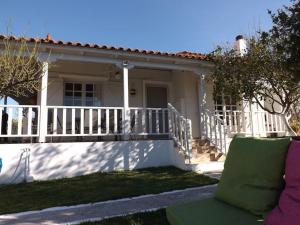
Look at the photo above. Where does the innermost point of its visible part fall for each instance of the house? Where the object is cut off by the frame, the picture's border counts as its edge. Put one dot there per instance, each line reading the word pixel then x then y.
pixel 103 108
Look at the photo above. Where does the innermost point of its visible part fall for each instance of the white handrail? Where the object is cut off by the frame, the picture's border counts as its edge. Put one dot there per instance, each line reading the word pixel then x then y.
pixel 180 131
pixel 215 130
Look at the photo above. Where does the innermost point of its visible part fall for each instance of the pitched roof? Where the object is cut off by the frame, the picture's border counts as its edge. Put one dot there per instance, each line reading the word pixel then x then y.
pixel 49 40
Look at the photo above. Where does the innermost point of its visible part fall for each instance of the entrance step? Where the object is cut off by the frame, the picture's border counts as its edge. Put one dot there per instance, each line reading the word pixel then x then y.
pixel 203 152
pixel 208 167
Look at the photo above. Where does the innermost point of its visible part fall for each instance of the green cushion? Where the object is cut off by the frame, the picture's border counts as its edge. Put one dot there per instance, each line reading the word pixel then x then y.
pixel 209 212
pixel 253 173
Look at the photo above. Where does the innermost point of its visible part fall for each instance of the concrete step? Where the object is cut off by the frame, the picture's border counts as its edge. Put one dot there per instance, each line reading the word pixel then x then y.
pixel 209 167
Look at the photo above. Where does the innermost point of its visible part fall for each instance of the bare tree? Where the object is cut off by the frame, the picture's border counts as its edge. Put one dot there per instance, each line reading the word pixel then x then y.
pixel 20 69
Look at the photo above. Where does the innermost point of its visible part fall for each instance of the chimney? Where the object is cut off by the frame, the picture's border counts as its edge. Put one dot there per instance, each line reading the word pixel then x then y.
pixel 48 37
pixel 240 45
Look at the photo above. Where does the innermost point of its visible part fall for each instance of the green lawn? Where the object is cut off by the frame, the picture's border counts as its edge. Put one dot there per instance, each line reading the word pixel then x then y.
pixel 148 218
pixel 96 187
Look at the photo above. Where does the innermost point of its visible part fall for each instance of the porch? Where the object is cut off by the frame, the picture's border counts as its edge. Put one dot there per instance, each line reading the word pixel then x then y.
pixel 86 101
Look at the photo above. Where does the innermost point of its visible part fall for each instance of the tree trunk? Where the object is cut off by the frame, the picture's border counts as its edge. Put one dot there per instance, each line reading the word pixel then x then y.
pixel 290 129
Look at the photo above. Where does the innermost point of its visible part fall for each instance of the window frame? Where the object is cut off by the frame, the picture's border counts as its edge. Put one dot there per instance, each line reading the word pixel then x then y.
pixel 83 91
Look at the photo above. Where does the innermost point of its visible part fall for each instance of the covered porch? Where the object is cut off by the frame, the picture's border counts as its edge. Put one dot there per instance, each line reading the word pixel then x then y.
pixel 89 98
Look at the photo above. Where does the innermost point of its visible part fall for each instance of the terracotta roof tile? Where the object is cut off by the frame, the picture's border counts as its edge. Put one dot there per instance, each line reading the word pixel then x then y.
pixel 50 40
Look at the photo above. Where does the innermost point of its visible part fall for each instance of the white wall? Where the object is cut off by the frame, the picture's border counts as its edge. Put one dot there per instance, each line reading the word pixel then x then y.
pixel 58 160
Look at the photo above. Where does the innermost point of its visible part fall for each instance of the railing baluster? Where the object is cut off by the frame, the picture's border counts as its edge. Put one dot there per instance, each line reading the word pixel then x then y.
pixel 180 130
pixel 64 121
pixel 280 123
pixel 206 124
pixel 272 122
pixel 136 121
pixel 73 121
pixel 55 121
pixel 115 121
pixel 144 120
pixel 9 122
pixel 210 126
pixel 29 121
pixel 215 129
pixel 81 121
pixel 267 123
pixel 235 122
pixel 174 124
pixel 99 121
pixel 276 123
pixel 170 122
pixel 20 116
pixel 107 121
pixel 163 121
pixel 150 121
pixel 220 135
pixel 90 121
pixel 157 121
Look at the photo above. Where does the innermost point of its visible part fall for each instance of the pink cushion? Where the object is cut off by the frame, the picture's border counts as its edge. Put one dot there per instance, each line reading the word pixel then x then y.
pixel 288 210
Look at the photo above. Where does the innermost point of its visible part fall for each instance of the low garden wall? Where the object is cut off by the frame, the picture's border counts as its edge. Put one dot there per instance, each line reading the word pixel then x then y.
pixel 45 161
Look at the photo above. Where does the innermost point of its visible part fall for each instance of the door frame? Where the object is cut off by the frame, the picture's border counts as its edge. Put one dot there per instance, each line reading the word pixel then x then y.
pixel 151 83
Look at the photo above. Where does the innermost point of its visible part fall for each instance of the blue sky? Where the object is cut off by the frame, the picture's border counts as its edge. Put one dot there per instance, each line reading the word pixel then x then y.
pixel 165 25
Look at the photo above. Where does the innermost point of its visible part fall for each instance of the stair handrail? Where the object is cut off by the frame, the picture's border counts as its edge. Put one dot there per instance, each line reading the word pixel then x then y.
pixel 215 130
pixel 180 131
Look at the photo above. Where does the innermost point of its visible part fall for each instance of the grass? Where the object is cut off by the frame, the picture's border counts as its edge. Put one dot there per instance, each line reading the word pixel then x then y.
pixel 147 218
pixel 96 187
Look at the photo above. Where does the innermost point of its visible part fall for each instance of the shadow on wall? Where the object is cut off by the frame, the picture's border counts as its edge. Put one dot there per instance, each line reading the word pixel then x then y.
pixel 15 166
pixel 58 160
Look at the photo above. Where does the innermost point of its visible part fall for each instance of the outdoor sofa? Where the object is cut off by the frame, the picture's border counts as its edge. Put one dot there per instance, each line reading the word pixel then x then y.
pixel 253 189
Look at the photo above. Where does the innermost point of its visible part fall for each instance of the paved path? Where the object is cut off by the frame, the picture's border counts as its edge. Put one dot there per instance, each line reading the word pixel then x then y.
pixel 98 211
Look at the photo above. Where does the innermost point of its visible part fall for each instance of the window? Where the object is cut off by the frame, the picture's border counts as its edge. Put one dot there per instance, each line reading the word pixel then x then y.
pixel 78 94
pixel 225 102
pixel 224 105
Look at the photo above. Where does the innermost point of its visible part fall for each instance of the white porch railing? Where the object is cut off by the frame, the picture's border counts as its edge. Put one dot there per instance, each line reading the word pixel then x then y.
pixel 19 120
pixel 84 121
pixel 180 131
pixel 221 126
pixel 68 121
pixel 149 121
pixel 215 130
pixel 254 123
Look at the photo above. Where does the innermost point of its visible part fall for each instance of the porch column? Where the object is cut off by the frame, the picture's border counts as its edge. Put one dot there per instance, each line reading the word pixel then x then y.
pixel 43 104
pixel 126 113
pixel 202 102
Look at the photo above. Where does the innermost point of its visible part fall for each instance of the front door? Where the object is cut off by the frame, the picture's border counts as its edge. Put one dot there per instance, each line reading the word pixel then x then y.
pixel 157 97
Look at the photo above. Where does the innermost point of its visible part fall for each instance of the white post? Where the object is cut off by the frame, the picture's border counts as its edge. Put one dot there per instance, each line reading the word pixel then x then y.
pixel 43 104
pixel 126 116
pixel 202 102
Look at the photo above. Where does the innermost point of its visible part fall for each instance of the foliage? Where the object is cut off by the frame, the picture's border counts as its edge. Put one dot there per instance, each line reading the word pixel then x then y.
pixel 295 124
pixel 20 69
pixel 286 33
pixel 261 74
pixel 97 187
pixel 267 72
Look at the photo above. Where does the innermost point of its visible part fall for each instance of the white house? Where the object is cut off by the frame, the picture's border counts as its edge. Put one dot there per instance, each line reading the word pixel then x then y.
pixel 103 108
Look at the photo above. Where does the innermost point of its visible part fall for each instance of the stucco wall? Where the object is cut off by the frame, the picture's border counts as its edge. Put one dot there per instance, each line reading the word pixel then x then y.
pixel 58 160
